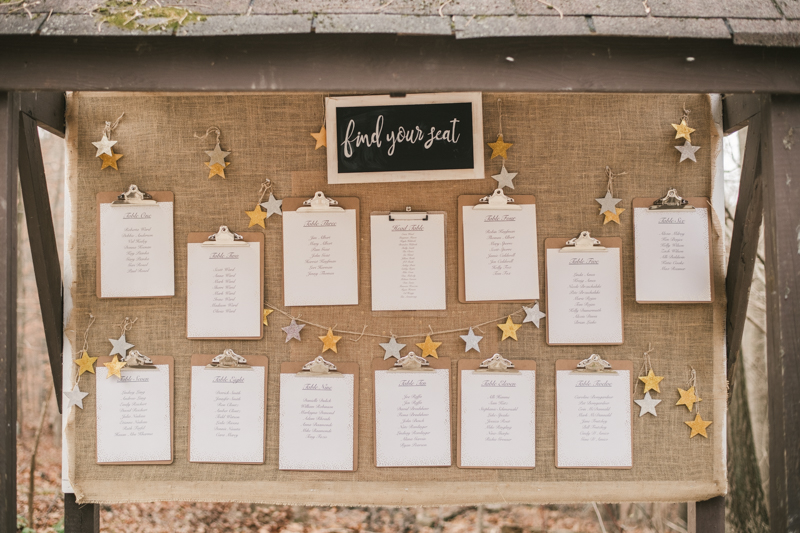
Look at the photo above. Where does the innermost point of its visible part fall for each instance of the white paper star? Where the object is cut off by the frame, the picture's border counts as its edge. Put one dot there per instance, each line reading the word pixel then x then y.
pixel 272 206
pixel 392 349
pixel 293 330
pixel 217 156
pixel 647 404
pixel 608 203
pixel 121 346
pixel 75 397
pixel 687 151
pixel 104 146
pixel 532 314
pixel 472 341
pixel 505 177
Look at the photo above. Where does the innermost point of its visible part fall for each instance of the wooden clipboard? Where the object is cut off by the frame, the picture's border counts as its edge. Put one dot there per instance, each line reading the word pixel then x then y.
pixel 470 365
pixel 442 363
pixel 609 242
pixel 203 360
pixel 343 368
pixel 196 237
pixel 347 202
pixel 471 200
pixel 107 198
pixel 572 364
pixel 157 360
pixel 694 201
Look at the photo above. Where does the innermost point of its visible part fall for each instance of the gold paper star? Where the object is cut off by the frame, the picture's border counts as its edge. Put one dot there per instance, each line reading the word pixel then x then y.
pixel 110 160
pixel 698 426
pixel 329 341
pixel 257 216
pixel 614 216
pixel 688 398
pixel 320 138
pixel 114 367
pixel 651 381
pixel 509 329
pixel 500 147
pixel 216 169
pixel 429 347
pixel 683 130
pixel 85 363
pixel 267 312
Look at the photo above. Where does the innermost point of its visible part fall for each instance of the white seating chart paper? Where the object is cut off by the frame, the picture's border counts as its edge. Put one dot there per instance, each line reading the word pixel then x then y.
pixel 408 263
pixel 136 255
pixel 672 250
pixel 593 417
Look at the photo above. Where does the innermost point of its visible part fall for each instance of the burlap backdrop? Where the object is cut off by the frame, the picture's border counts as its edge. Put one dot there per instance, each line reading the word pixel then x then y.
pixel 562 144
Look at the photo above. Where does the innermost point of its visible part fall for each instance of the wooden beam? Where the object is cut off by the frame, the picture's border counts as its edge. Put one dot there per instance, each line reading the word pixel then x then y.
pixel 780 151
pixel 744 242
pixel 49 108
pixel 707 516
pixel 737 110
pixel 9 115
pixel 42 236
pixel 394 63
pixel 80 518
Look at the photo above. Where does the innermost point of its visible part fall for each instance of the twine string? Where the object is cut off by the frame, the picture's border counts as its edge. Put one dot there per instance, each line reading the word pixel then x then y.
pixel 685 113
pixel 109 127
pixel 86 333
pixel 127 324
pixel 611 175
pixel 209 131
pixel 647 365
pixel 266 187
pixel 500 114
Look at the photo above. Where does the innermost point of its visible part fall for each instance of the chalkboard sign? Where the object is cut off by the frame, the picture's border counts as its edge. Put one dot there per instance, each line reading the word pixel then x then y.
pixel 418 137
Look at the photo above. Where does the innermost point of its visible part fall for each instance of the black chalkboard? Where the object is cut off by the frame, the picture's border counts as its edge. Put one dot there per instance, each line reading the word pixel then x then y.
pixel 412 137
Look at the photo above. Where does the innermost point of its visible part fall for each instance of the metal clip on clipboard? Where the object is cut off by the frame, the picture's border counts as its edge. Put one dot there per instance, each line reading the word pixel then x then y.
pixel 408 214
pixel 583 243
pixel 497 201
pixel 134 196
pixel 671 202
pixel 594 364
pixel 321 368
pixel 136 360
pixel 412 363
pixel 229 360
pixel 320 204
pixel 225 237
pixel 497 364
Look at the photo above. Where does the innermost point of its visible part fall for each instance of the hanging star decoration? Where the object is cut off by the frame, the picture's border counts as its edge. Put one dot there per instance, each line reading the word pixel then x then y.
pixel 114 367
pixel 647 404
pixel 429 347
pixel 120 346
pixel 688 398
pixel 105 145
pixel 509 329
pixel 392 349
pixel 698 426
pixel 687 151
pixel 320 137
pixel 75 397
pixel 608 204
pixel 505 178
pixel 267 312
pixel 257 217
pixel 85 363
pixel 263 210
pixel 682 130
pixel 472 341
pixel 500 147
pixel 651 381
pixel 273 206
pixel 613 217
pixel 329 341
pixel 216 163
pixel 293 330
pixel 533 314
pixel 110 161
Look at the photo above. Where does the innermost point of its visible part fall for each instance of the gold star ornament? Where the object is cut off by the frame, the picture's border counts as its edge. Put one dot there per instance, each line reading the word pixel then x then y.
pixel 682 130
pixel 267 312
pixel 257 217
pixel 688 398
pixel 698 426
pixel 216 169
pixel 429 347
pixel 85 363
pixel 329 341
pixel 509 329
pixel 320 138
pixel 114 367
pixel 651 381
pixel 500 147
pixel 613 216
pixel 110 160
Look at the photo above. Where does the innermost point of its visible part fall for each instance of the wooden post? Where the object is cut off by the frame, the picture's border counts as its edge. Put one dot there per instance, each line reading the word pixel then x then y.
pixel 707 516
pixel 80 518
pixel 780 150
pixel 9 113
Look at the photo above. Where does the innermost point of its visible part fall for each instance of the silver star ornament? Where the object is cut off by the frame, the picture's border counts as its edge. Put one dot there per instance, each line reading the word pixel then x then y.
pixel 75 397
pixel 293 330
pixel 272 206
pixel 217 156
pixel 504 179
pixel 608 203
pixel 120 346
pixel 647 404
pixel 104 146
pixel 687 151
pixel 472 341
pixel 392 349
pixel 532 314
